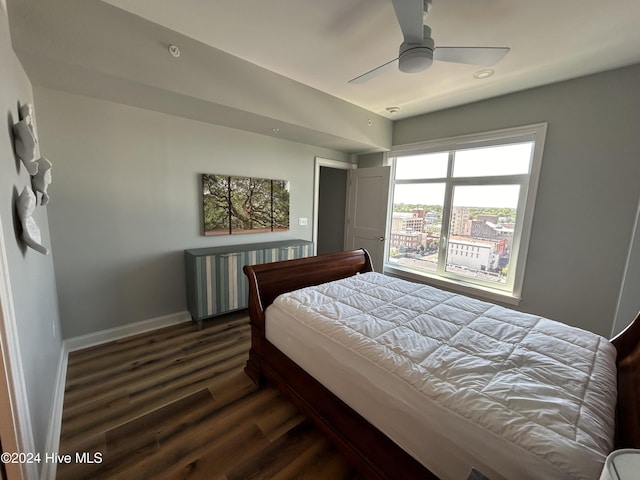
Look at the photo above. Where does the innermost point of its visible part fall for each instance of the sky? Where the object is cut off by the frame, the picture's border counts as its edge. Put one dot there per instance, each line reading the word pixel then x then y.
pixel 479 162
pixel 498 196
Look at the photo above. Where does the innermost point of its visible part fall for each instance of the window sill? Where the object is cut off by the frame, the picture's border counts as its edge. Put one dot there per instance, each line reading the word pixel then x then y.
pixel 484 293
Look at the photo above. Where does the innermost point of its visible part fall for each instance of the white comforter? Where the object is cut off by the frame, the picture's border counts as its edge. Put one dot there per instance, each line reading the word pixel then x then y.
pixel 520 395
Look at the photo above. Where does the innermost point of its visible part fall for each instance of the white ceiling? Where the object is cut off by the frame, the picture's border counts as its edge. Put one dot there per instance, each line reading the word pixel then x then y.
pixel 325 43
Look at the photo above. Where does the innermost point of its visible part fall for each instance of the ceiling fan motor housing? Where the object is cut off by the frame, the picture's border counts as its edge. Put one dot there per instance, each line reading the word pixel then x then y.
pixel 416 57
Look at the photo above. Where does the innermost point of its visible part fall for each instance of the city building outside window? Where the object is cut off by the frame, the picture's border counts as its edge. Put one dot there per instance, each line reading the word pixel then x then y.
pixel 463 209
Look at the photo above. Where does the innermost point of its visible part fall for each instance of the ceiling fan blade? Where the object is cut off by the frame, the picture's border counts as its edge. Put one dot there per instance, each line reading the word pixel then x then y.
pixel 375 72
pixel 485 56
pixel 410 17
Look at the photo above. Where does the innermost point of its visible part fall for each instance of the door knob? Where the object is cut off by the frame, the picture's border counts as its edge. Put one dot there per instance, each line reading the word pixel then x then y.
pixel 381 239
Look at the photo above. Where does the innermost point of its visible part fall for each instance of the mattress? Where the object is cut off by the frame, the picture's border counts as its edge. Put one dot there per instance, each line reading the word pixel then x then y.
pixel 456 382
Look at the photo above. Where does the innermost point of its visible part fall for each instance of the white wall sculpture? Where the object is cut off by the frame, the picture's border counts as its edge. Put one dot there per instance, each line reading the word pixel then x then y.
pixel 25 139
pixel 25 142
pixel 25 206
pixel 42 179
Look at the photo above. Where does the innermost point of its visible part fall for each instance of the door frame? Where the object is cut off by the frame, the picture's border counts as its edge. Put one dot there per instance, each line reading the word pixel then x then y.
pixel 15 421
pixel 324 162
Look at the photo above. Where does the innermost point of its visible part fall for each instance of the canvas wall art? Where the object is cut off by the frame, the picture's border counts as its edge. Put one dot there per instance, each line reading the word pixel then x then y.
pixel 233 204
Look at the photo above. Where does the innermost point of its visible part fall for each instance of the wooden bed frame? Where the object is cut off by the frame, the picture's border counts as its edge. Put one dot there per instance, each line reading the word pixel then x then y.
pixel 370 451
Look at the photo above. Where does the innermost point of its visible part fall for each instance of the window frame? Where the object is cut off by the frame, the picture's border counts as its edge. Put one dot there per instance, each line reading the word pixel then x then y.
pixel 511 291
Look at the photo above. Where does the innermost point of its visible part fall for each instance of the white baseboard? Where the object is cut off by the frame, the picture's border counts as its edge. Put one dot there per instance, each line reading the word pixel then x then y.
pixel 91 339
pixel 52 444
pixel 77 343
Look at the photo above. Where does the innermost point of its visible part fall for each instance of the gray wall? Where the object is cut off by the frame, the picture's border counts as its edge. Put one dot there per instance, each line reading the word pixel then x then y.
pixel 588 192
pixel 31 274
pixel 127 202
pixel 204 84
pixel 629 304
pixel 369 160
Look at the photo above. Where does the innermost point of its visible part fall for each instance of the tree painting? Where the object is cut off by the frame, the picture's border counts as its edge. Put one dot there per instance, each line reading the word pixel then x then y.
pixel 280 204
pixel 215 190
pixel 244 204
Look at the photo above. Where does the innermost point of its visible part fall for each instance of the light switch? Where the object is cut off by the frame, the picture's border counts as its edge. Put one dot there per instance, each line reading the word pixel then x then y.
pixel 302 221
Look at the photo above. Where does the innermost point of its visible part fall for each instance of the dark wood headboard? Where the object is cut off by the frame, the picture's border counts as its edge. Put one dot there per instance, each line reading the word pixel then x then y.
pixel 268 280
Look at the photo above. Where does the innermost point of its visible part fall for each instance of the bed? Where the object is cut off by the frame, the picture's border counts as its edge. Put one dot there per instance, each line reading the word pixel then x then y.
pixel 392 430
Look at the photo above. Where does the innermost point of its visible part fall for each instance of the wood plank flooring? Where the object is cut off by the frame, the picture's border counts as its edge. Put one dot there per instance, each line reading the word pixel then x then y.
pixel 175 403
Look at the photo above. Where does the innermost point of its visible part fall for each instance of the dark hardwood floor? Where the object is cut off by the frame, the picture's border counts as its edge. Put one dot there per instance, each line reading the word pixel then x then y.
pixel 175 403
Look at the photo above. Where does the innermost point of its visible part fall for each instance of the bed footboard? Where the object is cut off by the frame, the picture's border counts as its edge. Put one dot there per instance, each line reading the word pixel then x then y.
pixel 627 344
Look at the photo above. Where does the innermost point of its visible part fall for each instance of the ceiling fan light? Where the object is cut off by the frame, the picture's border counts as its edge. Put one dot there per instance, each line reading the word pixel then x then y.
pixel 415 59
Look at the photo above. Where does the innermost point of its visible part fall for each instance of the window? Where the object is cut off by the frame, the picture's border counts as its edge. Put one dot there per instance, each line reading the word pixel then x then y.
pixel 473 194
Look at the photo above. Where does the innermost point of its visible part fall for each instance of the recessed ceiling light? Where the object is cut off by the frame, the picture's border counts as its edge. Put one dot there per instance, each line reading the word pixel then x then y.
pixel 174 51
pixel 392 110
pixel 480 74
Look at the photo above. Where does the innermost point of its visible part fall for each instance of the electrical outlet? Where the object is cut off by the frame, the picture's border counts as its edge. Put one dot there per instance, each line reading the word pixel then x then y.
pixel 302 221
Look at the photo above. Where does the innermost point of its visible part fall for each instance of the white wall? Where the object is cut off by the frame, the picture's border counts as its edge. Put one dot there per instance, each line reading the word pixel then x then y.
pixel 31 274
pixel 126 202
pixel 588 192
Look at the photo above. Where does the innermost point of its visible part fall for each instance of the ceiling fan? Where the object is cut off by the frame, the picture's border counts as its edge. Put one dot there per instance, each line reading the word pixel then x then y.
pixel 418 50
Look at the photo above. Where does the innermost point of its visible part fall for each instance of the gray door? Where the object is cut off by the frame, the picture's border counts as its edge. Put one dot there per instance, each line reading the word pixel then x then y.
pixel 367 211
